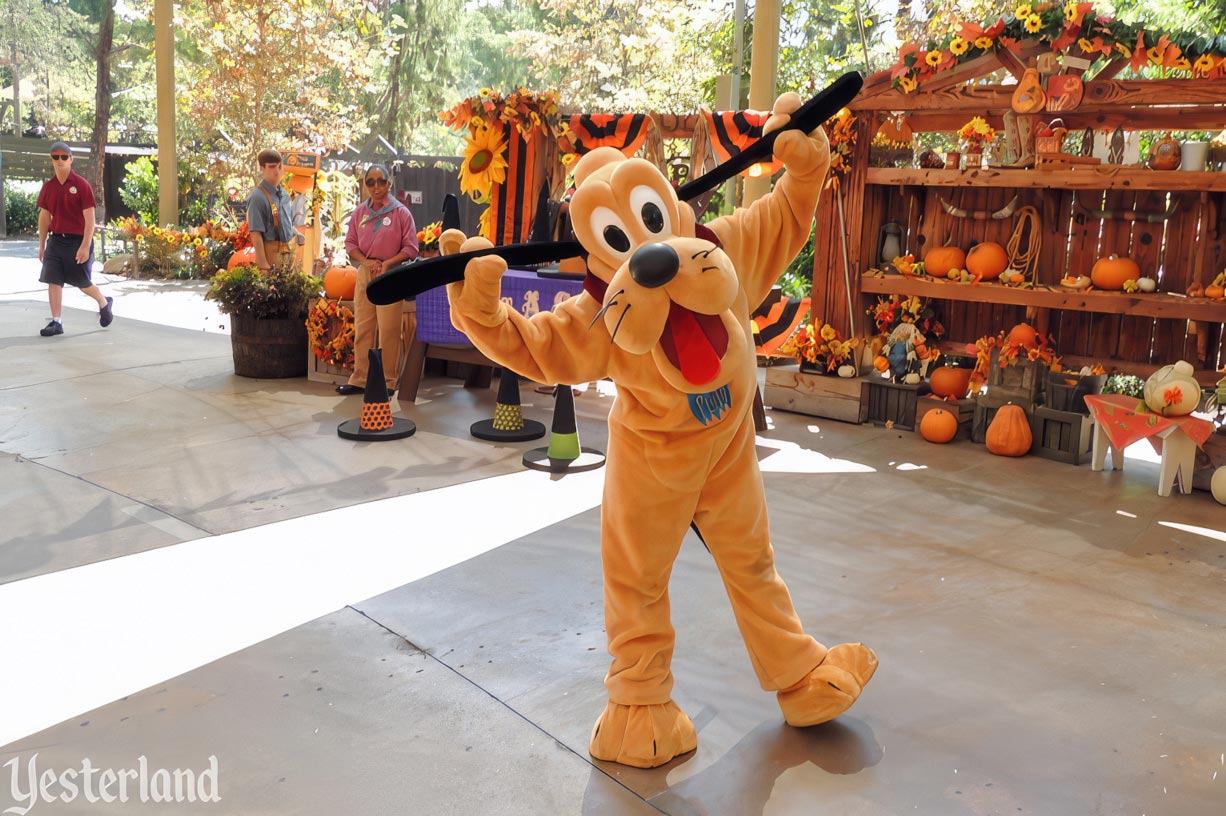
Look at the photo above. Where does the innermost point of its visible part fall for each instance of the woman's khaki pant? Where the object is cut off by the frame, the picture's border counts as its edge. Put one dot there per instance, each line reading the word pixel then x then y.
pixel 371 321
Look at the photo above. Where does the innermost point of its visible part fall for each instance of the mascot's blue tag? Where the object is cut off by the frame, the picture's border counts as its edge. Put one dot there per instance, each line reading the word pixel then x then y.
pixel 710 407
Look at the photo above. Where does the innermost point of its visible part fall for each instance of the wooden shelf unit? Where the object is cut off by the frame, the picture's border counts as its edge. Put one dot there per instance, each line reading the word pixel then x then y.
pixel 1157 305
pixel 1086 212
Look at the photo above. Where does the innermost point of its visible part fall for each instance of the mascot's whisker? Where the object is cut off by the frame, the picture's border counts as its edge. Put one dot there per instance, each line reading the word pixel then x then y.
pixel 612 302
pixel 705 253
pixel 613 336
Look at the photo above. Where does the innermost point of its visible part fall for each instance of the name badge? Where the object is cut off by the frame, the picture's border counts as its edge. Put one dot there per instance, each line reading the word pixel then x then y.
pixel 72 190
pixel 711 406
pixel 387 220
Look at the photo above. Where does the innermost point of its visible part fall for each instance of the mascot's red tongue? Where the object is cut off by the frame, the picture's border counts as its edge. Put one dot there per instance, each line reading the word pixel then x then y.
pixel 694 343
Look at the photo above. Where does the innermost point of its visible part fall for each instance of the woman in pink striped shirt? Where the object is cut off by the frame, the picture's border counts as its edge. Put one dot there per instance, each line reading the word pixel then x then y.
pixel 381 236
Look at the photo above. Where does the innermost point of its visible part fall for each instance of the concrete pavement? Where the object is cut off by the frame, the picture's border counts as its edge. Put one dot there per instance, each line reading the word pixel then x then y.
pixel 195 565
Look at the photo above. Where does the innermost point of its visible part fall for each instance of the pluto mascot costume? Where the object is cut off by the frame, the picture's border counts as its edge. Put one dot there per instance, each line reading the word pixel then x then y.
pixel 665 314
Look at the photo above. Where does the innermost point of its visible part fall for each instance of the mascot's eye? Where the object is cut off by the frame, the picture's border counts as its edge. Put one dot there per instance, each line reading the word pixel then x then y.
pixel 649 206
pixel 653 219
pixel 616 239
pixel 608 229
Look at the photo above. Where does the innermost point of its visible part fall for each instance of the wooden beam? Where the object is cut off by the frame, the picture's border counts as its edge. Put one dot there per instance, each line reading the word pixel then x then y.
pixel 1174 307
pixel 1085 177
pixel 1100 95
pixel 1110 69
pixel 1195 118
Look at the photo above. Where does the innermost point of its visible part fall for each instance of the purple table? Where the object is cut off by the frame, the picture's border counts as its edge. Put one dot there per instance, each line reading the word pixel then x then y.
pixel 522 290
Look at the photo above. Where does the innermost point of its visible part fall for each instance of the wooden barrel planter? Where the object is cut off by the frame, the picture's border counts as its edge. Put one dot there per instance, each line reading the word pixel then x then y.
pixel 268 348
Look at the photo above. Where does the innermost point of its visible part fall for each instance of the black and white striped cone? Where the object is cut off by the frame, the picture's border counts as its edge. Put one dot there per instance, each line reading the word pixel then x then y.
pixel 508 424
pixel 564 454
pixel 376 424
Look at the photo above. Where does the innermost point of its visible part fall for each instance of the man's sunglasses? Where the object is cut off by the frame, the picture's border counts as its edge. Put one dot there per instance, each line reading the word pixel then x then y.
pixel 60 157
pixel 376 182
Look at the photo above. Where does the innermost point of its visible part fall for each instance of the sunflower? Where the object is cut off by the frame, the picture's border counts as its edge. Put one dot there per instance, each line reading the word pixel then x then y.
pixel 1023 12
pixel 1203 64
pixel 1033 23
pixel 1070 12
pixel 959 46
pixel 485 227
pixel 983 43
pixel 485 162
pixel 907 84
pixel 1086 45
pixel 933 58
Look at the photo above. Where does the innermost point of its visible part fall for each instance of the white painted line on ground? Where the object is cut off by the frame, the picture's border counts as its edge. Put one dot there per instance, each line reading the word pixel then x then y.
pixel 84 637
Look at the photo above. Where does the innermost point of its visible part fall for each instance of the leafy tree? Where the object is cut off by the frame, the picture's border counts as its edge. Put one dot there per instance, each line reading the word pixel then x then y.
pixel 626 56
pixel 418 51
pixel 32 37
pixel 277 73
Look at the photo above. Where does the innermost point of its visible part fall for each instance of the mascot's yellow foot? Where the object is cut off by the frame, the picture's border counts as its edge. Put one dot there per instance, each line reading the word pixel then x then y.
pixel 643 736
pixel 831 688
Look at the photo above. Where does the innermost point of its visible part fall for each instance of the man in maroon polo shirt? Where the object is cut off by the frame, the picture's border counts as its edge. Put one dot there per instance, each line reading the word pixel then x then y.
pixel 66 238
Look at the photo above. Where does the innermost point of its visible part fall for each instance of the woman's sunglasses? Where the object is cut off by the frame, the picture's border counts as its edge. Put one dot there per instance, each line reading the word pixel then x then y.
pixel 376 182
pixel 60 157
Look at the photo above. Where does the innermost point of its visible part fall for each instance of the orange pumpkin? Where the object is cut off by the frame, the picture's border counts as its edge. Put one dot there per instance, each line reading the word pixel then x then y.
pixel 987 260
pixel 881 363
pixel 1215 292
pixel 244 257
pixel 939 425
pixel 939 261
pixel 340 281
pixel 1023 334
pixel 1009 434
pixel 1111 272
pixel 950 382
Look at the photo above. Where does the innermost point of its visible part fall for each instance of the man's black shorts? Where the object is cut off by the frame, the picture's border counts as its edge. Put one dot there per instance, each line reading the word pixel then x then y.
pixel 60 262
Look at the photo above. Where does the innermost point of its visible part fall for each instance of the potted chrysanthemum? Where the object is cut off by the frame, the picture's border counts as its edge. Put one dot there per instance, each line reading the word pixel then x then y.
pixel 268 333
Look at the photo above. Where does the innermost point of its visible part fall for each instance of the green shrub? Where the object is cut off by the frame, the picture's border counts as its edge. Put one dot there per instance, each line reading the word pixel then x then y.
pixel 139 192
pixel 797 280
pixel 20 207
pixel 1127 384
pixel 280 292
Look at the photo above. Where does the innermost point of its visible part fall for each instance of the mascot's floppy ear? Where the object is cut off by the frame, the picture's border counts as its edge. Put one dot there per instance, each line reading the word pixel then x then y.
pixel 593 161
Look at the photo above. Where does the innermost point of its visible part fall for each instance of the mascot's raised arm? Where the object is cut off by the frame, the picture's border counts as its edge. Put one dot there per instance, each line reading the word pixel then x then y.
pixel 665 314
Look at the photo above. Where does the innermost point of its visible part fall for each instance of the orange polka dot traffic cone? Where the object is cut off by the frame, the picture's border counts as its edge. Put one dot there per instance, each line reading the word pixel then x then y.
pixel 508 424
pixel 376 423
pixel 564 454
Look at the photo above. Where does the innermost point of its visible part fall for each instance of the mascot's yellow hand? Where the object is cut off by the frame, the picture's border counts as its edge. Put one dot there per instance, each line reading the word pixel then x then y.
pixel 800 153
pixel 478 295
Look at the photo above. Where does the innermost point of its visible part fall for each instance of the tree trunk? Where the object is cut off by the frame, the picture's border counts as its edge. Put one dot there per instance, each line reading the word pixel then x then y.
pixel 102 110
pixel 16 93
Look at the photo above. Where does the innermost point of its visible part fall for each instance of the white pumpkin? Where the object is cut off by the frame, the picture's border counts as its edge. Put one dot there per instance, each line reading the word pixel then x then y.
pixel 847 371
pixel 912 378
pixel 1147 284
pixel 1217 485
pixel 1173 390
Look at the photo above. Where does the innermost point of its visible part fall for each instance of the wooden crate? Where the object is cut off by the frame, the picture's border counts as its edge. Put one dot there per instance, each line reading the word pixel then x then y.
pixel 790 389
pixel 1021 382
pixel 1060 435
pixel 986 407
pixel 1066 392
pixel 319 371
pixel 963 409
pixel 890 403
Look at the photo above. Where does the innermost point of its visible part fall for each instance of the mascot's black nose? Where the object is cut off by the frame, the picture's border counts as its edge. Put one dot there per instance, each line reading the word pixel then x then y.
pixel 654 265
